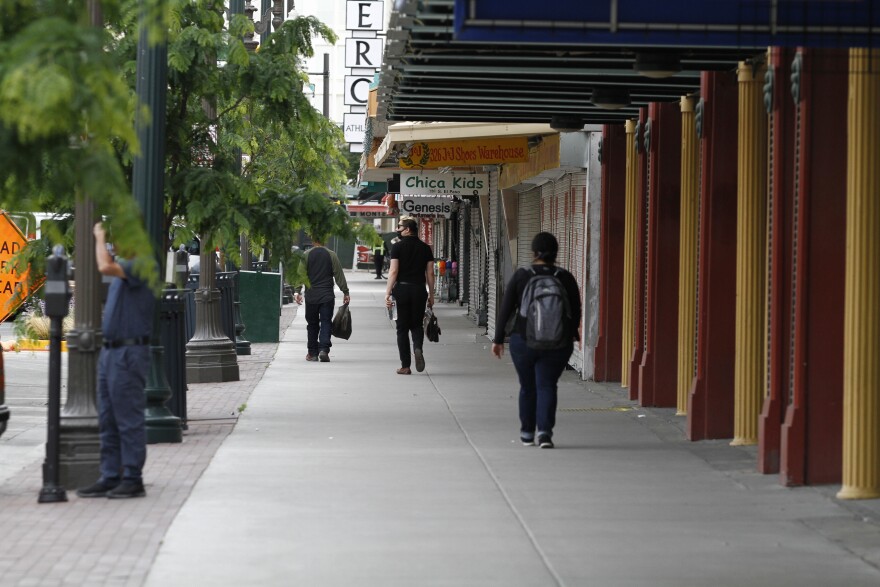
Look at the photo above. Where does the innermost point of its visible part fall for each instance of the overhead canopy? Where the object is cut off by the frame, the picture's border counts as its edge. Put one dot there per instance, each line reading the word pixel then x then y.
pixel 403 133
pixel 537 62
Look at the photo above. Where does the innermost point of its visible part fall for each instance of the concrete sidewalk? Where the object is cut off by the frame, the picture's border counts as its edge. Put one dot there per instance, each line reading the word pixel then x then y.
pixel 346 474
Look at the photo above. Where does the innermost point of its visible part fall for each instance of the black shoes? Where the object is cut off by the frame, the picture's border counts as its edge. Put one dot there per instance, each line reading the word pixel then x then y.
pixel 526 441
pixel 420 360
pixel 127 489
pixel 324 357
pixel 544 441
pixel 113 489
pixel 99 489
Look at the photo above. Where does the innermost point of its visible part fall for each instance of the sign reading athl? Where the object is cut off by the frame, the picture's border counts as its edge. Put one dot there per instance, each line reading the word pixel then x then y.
pixel 468 152
pixel 426 183
pixel 435 206
pixel 13 285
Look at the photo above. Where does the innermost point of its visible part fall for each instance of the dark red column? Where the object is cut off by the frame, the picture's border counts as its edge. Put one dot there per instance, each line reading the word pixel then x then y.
pixel 641 266
pixel 811 449
pixel 710 404
pixel 607 352
pixel 779 216
pixel 658 377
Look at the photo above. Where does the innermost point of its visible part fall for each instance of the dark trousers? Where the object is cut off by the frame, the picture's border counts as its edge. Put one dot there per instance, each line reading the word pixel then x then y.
pixel 379 260
pixel 538 372
pixel 411 300
pixel 122 377
pixel 319 319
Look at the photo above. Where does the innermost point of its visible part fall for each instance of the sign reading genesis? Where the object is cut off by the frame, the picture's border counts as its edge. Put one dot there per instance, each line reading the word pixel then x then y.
pixel 427 183
pixel 431 206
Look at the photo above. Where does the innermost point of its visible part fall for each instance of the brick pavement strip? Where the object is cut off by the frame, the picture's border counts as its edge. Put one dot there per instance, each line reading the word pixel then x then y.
pixel 113 542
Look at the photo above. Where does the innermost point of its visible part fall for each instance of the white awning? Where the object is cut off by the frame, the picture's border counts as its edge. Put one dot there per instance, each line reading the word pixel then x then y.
pixel 412 132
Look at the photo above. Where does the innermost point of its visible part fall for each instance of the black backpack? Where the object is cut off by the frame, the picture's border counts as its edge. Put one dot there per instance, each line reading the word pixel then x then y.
pixel 547 312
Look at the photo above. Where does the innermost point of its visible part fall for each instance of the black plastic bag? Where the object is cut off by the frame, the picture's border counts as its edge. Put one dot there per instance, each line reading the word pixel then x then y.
pixel 432 328
pixel 341 326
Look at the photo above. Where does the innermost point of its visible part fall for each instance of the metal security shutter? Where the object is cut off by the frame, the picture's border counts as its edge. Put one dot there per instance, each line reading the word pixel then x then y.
pixel 548 208
pixel 529 225
pixel 477 258
pixel 577 249
pixel 464 247
pixel 494 230
pixel 562 195
pixel 592 277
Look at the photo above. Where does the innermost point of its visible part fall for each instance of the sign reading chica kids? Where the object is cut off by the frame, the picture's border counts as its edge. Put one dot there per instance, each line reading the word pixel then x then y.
pixel 470 152
pixel 426 183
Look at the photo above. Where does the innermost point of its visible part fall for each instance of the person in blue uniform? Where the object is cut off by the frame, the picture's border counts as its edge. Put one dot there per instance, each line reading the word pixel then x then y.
pixel 122 376
pixel 410 286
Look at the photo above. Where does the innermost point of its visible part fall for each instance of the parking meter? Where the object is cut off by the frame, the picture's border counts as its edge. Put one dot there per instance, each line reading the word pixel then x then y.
pixel 57 288
pixel 57 298
pixel 181 267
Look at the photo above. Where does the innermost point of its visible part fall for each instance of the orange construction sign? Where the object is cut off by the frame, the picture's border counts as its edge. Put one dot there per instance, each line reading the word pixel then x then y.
pixel 13 285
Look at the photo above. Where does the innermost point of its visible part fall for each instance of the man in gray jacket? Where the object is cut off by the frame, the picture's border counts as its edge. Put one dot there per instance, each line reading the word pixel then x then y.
pixel 323 268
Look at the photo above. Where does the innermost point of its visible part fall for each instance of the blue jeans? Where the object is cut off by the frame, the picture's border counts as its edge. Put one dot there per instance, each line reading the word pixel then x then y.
pixel 538 373
pixel 122 377
pixel 319 319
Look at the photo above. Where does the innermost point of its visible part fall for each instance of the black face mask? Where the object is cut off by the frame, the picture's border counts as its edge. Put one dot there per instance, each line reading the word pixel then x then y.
pixel 399 232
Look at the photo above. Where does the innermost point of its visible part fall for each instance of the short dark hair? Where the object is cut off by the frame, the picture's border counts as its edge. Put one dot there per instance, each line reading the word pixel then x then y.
pixel 545 246
pixel 411 224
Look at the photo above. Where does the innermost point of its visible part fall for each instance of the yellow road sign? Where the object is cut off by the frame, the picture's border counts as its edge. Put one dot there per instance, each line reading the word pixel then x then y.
pixel 13 285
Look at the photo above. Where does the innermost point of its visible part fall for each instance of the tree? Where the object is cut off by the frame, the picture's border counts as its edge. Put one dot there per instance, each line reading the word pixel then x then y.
pixel 64 115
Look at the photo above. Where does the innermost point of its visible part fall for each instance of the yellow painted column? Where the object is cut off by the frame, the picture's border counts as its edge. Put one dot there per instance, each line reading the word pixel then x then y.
pixel 748 376
pixel 861 329
pixel 629 250
pixel 687 256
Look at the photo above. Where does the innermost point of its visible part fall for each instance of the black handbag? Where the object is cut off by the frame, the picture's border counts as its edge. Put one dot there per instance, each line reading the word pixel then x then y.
pixel 341 325
pixel 432 330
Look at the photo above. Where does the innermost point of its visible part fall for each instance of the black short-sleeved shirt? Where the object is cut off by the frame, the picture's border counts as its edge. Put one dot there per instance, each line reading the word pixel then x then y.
pixel 513 294
pixel 413 256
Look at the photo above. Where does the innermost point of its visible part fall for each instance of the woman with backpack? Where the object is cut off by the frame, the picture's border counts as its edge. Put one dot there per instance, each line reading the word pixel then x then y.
pixel 546 304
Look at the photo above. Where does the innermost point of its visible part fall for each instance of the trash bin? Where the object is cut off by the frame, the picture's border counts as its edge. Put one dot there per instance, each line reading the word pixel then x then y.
pixel 260 295
pixel 172 330
pixel 225 282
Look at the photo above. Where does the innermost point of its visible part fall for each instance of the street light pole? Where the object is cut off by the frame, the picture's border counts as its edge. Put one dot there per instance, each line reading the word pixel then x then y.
pixel 149 191
pixel 80 455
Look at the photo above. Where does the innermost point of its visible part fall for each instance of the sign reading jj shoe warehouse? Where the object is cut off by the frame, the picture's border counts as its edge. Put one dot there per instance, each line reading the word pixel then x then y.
pixel 428 183
pixel 466 152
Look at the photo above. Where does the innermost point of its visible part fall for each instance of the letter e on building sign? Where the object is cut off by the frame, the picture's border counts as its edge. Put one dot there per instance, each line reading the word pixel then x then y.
pixel 13 285
pixel 364 15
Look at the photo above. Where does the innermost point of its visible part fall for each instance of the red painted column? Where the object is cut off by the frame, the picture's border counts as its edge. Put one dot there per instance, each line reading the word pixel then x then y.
pixel 641 264
pixel 658 377
pixel 607 352
pixel 710 404
pixel 812 442
pixel 779 217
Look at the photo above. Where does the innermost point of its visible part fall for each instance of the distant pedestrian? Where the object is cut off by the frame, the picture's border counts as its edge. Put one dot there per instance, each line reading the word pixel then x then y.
pixel 323 268
pixel 538 369
pixel 379 259
pixel 122 376
pixel 411 272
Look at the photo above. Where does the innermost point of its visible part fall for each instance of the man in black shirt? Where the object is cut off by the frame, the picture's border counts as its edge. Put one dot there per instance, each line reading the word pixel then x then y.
pixel 323 268
pixel 412 270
